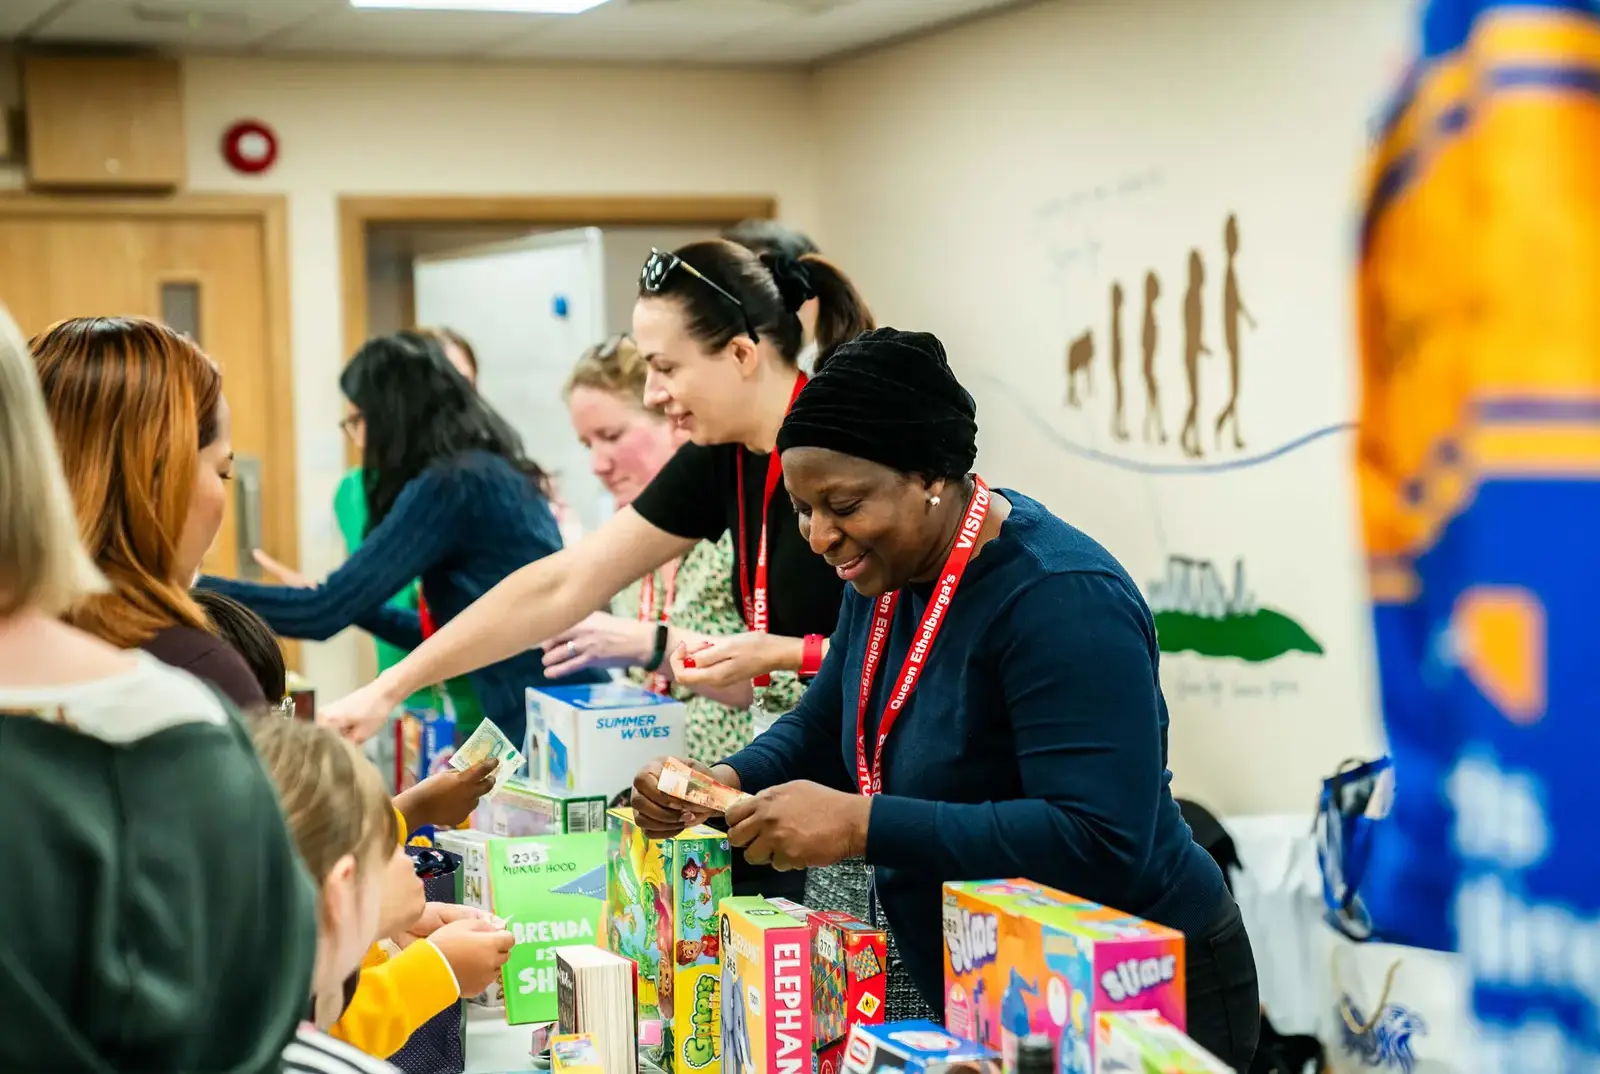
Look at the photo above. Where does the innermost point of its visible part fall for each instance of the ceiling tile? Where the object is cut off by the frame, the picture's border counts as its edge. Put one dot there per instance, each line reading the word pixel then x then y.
pixel 855 25
pixel 199 25
pixel 18 15
pixel 659 29
pixel 349 30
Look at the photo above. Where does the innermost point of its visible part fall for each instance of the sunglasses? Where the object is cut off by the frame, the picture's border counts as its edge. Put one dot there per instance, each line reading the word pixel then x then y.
pixel 608 350
pixel 660 265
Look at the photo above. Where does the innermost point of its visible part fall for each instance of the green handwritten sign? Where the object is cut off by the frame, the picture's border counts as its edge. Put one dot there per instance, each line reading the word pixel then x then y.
pixel 551 890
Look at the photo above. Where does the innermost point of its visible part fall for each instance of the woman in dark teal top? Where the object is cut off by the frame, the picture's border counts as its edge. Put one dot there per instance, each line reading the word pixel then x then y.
pixel 450 500
pixel 1029 739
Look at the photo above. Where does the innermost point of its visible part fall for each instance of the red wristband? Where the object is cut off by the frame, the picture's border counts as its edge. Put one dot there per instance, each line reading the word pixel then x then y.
pixel 811 656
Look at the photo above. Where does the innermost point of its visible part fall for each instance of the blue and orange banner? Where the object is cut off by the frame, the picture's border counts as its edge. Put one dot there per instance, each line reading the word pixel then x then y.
pixel 1478 466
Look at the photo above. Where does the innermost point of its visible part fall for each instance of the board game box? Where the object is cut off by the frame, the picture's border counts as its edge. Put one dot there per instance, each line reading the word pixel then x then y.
pixel 1022 958
pixel 1143 1042
pixel 574 1053
pixel 662 898
pixel 915 1048
pixel 848 978
pixel 766 986
pixel 550 890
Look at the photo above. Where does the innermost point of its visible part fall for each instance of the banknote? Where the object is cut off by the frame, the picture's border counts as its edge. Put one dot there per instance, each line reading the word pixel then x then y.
pixel 697 788
pixel 488 741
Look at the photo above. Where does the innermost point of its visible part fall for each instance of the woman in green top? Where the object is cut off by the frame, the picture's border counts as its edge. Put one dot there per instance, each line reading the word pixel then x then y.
pixel 691 599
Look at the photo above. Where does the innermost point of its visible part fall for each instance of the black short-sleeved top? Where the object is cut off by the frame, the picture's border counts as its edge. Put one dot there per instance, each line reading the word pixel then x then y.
pixel 697 495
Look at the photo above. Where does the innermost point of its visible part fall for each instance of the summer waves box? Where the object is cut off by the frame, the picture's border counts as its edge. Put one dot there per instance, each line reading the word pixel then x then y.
pixel 766 989
pixel 594 739
pixel 662 898
pixel 1021 958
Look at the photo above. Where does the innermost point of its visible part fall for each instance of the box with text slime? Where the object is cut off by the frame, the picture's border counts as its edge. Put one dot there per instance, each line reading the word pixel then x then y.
pixel 1022 958
pixel 662 898
pixel 594 739
pixel 766 990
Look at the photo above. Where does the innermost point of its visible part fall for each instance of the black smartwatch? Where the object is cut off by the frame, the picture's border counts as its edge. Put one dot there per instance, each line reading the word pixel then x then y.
pixel 659 656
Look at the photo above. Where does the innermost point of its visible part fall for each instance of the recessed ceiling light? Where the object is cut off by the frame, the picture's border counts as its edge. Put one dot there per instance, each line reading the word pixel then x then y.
pixel 524 7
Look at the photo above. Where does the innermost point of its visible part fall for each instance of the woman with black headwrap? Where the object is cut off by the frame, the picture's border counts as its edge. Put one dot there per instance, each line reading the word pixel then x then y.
pixel 1012 723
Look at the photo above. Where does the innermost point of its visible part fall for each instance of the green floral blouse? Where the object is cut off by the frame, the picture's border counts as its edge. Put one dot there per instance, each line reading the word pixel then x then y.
pixel 703 602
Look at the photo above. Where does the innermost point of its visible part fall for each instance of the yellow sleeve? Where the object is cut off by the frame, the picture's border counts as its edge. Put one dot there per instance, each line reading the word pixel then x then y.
pixel 395 997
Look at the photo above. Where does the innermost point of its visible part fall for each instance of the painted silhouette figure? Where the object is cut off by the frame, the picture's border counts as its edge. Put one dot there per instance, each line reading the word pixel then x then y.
pixel 1152 389
pixel 1119 426
pixel 1079 354
pixel 1232 309
pixel 1193 349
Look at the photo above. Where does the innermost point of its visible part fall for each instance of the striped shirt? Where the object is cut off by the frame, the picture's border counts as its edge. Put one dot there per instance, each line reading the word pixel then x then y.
pixel 311 1052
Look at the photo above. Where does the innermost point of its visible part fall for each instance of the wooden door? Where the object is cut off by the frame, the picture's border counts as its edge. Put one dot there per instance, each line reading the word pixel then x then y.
pixel 210 272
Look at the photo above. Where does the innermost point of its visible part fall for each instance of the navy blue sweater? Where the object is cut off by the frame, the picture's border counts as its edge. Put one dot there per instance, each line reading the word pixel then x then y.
pixel 461 526
pixel 1034 745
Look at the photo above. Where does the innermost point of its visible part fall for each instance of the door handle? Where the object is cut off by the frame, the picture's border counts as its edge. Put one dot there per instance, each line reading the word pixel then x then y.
pixel 247 514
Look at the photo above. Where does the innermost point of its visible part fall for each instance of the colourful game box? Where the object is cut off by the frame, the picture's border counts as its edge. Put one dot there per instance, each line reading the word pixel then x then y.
pixel 766 982
pixel 574 1053
pixel 518 808
pixel 662 899
pixel 1021 958
pixel 915 1048
pixel 1143 1042
pixel 849 961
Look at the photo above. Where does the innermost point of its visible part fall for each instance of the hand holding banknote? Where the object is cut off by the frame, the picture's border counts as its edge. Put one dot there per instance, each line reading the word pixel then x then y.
pixel 662 815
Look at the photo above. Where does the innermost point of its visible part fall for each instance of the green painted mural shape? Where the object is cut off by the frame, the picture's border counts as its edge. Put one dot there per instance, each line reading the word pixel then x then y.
pixel 1256 637
pixel 1196 611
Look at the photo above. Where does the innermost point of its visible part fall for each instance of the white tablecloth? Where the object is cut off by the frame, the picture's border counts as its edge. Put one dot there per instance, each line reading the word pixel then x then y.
pixel 1279 891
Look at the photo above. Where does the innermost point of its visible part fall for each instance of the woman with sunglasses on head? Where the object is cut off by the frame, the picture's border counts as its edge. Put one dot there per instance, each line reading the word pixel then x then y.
pixel 991 706
pixel 450 500
pixel 718 327
pixel 685 602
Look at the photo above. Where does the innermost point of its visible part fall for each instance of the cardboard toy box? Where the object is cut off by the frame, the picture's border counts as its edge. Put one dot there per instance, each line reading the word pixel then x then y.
pixel 473 887
pixel 519 808
pixel 1021 958
pixel 766 988
pixel 1143 1042
pixel 574 1053
pixel 915 1048
pixel 594 739
pixel 551 892
pixel 662 898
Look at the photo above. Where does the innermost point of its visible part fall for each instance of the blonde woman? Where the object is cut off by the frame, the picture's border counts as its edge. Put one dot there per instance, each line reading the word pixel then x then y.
pixel 682 603
pixel 137 804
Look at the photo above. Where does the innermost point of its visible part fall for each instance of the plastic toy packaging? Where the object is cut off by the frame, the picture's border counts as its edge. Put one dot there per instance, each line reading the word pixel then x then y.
pixel 1143 1042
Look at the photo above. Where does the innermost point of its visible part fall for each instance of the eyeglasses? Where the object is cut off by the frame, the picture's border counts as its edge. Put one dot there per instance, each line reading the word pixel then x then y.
pixel 350 423
pixel 660 265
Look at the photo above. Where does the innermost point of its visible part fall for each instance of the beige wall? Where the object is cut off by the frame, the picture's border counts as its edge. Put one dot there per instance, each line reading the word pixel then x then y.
pixel 370 128
pixel 990 184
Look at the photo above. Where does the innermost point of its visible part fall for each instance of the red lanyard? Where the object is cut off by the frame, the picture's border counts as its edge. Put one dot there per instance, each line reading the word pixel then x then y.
pixel 755 595
pixel 648 612
pixel 871 780
pixel 425 616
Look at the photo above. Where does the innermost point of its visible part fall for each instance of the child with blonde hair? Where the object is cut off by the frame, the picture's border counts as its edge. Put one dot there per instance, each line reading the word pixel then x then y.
pixel 349 833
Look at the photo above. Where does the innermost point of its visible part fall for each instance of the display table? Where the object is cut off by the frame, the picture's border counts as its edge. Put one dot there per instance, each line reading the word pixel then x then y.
pixel 496 1048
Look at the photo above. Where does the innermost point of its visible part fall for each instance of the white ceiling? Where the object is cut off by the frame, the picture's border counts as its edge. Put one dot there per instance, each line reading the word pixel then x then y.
pixel 681 31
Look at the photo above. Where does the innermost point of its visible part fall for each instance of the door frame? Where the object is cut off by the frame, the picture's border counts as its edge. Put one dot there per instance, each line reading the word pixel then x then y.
pixel 358 213
pixel 281 525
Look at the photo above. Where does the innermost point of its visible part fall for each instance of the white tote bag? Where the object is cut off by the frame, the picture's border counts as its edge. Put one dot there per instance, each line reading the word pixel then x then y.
pixel 1395 1009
